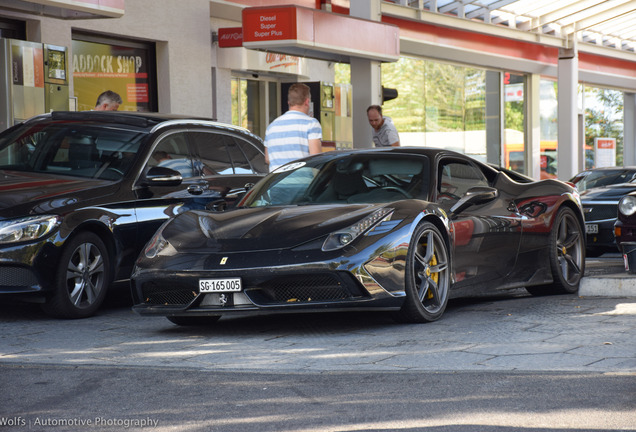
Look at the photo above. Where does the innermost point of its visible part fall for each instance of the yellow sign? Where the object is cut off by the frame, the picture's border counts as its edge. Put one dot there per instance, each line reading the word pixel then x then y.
pixel 99 67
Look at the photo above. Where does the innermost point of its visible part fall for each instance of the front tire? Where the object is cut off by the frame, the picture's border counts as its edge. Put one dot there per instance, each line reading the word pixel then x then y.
pixel 567 255
pixel 427 276
pixel 82 279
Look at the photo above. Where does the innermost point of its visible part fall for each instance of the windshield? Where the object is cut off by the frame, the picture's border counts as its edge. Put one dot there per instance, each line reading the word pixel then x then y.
pixel 351 179
pixel 591 179
pixel 74 149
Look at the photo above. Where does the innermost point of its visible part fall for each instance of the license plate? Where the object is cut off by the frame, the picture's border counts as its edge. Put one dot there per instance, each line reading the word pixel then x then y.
pixel 591 228
pixel 220 285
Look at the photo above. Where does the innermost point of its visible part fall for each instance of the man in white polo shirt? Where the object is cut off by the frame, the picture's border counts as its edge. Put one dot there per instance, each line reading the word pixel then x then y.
pixel 294 134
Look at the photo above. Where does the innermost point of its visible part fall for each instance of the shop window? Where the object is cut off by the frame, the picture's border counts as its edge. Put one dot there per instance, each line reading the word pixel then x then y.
pixel 272 89
pixel 438 105
pixel 12 29
pixel 254 104
pixel 548 118
pixel 604 110
pixel 125 67
pixel 514 145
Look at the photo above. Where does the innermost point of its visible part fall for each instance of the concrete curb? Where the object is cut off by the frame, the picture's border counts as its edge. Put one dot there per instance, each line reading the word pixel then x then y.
pixel 609 285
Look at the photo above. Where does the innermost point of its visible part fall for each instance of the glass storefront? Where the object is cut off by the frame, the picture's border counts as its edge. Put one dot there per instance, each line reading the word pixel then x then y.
pixel 443 105
pixel 549 127
pixel 439 105
pixel 603 116
pixel 604 126
pixel 254 104
pixel 127 68
pixel 514 138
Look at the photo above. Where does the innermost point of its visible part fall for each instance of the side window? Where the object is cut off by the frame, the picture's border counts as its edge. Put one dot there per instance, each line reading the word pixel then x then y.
pixel 240 162
pixel 456 177
pixel 172 152
pixel 254 156
pixel 215 151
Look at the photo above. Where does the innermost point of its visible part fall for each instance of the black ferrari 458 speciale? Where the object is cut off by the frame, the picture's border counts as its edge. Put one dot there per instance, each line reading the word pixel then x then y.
pixel 397 229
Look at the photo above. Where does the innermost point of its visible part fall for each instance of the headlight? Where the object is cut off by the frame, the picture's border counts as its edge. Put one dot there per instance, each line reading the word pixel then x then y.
pixel 627 205
pixel 27 228
pixel 344 237
pixel 158 244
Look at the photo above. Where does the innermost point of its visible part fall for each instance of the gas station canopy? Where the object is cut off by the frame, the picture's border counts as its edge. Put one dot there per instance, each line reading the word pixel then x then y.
pixel 608 23
pixel 69 9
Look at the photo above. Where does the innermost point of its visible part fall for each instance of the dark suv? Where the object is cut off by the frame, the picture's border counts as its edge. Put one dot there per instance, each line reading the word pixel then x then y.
pixel 82 192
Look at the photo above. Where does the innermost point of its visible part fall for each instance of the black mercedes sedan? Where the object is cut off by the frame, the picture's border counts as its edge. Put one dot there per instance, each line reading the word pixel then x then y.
pixel 601 189
pixel 82 192
pixel 394 229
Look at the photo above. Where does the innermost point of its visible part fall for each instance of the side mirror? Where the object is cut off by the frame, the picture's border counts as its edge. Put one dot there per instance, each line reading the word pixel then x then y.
pixel 217 205
pixel 474 196
pixel 161 176
pixel 229 199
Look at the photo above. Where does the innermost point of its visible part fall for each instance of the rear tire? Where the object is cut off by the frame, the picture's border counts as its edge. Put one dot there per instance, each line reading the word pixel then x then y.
pixel 82 278
pixel 567 257
pixel 427 276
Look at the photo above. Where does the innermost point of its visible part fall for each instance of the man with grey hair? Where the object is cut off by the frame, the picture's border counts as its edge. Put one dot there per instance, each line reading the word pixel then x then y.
pixel 108 101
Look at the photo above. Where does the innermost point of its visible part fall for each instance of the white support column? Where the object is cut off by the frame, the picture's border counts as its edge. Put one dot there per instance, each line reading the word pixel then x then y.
pixel 494 117
pixel 629 131
pixel 366 81
pixel 533 126
pixel 568 79
pixel 366 90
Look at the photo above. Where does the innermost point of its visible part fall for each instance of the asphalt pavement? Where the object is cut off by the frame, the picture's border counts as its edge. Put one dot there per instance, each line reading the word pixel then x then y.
pixel 506 363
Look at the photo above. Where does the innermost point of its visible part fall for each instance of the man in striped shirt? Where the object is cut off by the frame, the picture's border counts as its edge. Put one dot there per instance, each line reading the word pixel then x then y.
pixel 295 134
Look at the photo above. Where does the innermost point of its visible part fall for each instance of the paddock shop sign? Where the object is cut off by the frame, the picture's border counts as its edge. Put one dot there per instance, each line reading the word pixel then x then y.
pixel 98 67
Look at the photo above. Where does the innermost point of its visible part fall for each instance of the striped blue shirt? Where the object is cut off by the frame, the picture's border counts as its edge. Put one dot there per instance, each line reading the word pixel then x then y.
pixel 287 137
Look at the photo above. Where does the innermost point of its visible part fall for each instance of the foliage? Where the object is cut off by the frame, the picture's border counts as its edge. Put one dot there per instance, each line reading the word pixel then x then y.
pixel 407 75
pixel 514 116
pixel 440 97
pixel 603 119
pixel 342 73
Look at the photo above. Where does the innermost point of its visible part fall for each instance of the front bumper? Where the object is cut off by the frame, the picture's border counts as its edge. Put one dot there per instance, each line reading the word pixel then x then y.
pixel 28 269
pixel 628 249
pixel 279 290
pixel 604 238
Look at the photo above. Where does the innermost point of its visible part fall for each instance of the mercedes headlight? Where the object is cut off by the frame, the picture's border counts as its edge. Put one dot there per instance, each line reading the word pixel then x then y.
pixel 343 237
pixel 27 228
pixel 627 205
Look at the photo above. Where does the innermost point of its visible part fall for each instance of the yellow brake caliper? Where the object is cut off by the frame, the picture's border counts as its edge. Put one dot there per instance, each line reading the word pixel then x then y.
pixel 434 277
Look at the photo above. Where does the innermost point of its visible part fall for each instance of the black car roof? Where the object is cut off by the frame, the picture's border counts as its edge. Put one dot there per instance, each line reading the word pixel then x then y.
pixel 145 120
pixel 431 152
pixel 608 168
